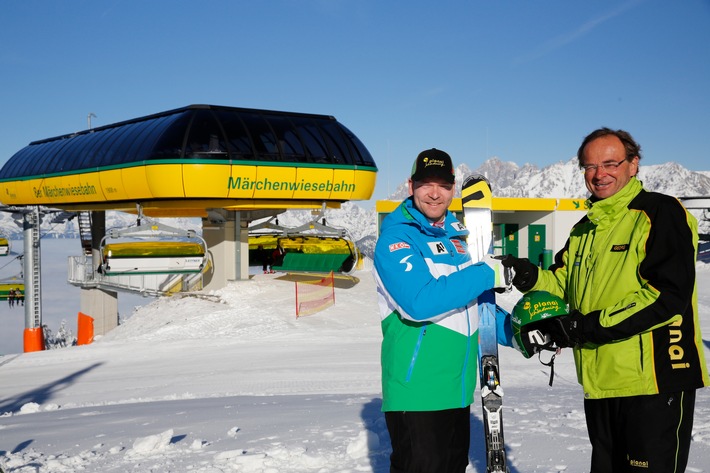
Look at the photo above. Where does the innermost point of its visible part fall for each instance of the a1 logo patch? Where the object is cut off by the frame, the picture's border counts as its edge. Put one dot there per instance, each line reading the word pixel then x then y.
pixel 437 247
pixel 458 226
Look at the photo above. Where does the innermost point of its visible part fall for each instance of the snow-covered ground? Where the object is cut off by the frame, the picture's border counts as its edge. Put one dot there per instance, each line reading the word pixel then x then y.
pixel 239 384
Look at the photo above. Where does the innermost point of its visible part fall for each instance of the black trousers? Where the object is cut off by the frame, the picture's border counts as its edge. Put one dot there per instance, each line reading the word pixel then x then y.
pixel 429 441
pixel 649 434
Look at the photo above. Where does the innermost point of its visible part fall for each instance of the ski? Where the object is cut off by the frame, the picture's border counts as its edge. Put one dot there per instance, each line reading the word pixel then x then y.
pixel 477 200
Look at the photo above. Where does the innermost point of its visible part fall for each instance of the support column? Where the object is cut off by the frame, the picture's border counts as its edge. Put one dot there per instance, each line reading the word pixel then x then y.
pixel 99 304
pixel 34 335
pixel 241 266
pixel 228 243
pixel 102 306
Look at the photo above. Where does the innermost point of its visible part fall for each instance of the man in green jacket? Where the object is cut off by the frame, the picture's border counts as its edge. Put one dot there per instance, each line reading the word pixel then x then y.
pixel 628 274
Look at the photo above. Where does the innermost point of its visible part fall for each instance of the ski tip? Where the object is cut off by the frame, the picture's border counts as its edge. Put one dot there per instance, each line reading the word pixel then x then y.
pixel 473 179
pixel 476 192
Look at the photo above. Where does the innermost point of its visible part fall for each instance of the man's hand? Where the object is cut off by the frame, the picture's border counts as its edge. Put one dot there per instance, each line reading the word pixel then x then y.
pixel 501 284
pixel 564 330
pixel 525 272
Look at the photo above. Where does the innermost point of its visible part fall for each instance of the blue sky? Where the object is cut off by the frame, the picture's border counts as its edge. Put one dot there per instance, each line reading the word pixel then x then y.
pixel 521 80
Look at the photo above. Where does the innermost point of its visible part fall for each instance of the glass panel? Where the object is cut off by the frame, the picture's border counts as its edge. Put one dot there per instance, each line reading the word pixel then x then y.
pixel 362 155
pixel 124 142
pixel 97 155
pixel 54 162
pixel 48 151
pixel 169 134
pixel 14 167
pixel 25 161
pixel 312 139
pixel 205 139
pixel 19 163
pixel 338 147
pixel 291 146
pixel 238 140
pixel 109 146
pixel 262 137
pixel 220 132
pixel 88 154
pixel 143 142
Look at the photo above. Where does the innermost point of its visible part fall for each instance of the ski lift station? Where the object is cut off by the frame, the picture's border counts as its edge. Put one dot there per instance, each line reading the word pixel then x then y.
pixel 227 166
pixel 533 228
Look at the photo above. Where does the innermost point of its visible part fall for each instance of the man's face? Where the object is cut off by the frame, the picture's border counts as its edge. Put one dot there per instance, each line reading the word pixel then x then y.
pixel 432 196
pixel 605 181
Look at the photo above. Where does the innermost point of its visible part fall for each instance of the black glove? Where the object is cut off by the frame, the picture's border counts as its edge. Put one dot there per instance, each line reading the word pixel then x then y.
pixel 564 330
pixel 525 272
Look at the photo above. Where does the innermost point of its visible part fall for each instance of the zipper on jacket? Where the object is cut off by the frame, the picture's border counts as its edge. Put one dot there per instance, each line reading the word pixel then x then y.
pixel 641 351
pixel 633 304
pixel 422 332
pixel 465 360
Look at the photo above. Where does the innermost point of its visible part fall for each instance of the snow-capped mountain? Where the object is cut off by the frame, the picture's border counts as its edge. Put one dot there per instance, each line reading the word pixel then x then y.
pixel 565 180
pixel 562 180
pixel 65 225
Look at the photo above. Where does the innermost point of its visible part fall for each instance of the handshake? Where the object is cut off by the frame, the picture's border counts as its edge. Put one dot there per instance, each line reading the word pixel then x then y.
pixel 537 331
pixel 511 271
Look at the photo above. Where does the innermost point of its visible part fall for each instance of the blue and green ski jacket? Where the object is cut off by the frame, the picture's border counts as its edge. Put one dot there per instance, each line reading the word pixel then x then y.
pixel 427 287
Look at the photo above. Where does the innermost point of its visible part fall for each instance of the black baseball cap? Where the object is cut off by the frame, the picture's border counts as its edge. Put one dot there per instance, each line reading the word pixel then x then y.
pixel 433 163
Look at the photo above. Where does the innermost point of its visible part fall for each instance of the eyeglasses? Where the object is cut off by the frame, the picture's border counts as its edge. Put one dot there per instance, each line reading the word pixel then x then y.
pixel 608 166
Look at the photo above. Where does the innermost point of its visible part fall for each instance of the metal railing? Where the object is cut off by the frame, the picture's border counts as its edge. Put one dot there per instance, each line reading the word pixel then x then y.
pixel 81 273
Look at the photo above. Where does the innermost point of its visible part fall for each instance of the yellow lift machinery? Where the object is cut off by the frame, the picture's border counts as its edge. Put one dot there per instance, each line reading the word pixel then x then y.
pixel 313 247
pixel 152 248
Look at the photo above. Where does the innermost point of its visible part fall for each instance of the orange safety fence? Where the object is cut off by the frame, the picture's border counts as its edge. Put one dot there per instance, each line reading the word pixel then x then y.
pixel 314 296
pixel 85 329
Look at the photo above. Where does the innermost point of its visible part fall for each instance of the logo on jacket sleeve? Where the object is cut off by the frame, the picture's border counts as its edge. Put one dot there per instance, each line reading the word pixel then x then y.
pixel 619 248
pixel 458 244
pixel 408 266
pixel 398 246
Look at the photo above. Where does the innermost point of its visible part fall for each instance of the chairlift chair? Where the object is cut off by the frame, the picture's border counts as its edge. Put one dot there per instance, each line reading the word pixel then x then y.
pixel 152 248
pixel 15 283
pixel 9 286
pixel 5 246
pixel 312 247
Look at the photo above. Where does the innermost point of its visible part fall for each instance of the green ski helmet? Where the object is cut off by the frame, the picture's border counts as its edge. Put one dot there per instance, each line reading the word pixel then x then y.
pixel 533 307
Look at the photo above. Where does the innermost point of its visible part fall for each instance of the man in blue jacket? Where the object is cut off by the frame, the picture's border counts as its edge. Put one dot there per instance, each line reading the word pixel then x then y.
pixel 427 287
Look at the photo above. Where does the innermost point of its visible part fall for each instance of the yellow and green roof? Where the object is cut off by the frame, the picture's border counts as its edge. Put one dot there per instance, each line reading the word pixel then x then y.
pixel 195 157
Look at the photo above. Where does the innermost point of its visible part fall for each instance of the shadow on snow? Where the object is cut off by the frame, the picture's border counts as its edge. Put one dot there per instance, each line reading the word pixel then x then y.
pixel 43 394
pixel 379 448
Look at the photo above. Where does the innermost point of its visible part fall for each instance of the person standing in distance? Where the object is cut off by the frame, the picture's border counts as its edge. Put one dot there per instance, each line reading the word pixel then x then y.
pixel 628 274
pixel 427 287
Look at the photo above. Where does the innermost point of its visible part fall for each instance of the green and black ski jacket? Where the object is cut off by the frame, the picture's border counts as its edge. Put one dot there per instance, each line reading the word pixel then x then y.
pixel 629 266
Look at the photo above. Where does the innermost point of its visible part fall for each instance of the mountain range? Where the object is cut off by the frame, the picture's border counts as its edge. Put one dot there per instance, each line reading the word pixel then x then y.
pixel 507 179
pixel 559 180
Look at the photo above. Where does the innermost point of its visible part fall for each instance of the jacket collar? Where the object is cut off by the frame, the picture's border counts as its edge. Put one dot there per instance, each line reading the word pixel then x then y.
pixel 607 210
pixel 408 214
